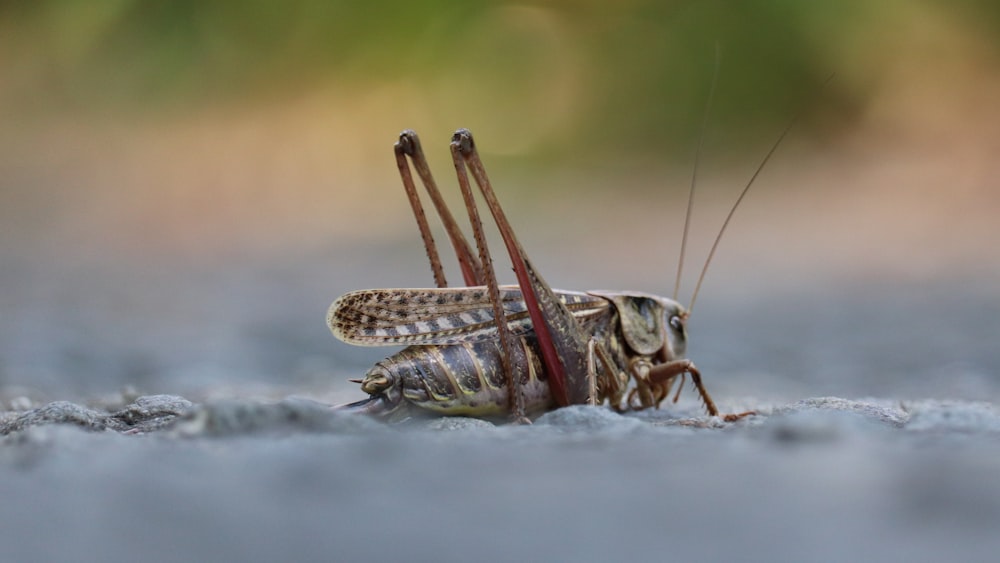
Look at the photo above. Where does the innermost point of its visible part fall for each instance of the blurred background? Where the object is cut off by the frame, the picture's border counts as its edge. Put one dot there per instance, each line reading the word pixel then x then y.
pixel 186 186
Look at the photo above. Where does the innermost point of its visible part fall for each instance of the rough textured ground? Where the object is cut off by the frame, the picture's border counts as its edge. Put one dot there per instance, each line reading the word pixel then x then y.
pixel 825 479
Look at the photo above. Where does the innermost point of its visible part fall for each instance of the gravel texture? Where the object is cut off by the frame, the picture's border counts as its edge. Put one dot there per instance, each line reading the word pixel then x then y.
pixel 824 479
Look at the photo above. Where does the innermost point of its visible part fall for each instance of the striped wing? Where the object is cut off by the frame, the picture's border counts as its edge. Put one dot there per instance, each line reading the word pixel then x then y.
pixel 451 315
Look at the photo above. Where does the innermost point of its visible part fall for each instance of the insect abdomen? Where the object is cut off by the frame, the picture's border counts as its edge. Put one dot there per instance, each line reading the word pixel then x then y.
pixel 461 379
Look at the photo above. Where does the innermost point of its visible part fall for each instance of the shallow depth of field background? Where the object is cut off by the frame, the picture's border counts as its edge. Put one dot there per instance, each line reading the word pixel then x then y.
pixel 185 187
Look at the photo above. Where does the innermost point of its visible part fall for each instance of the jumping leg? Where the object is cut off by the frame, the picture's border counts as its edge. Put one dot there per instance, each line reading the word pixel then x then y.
pixel 562 344
pixel 409 146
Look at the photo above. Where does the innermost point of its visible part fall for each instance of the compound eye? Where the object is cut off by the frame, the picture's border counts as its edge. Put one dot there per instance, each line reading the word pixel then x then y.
pixel 677 324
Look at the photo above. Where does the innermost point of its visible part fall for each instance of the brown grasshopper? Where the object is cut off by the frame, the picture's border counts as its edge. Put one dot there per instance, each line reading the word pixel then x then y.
pixel 489 351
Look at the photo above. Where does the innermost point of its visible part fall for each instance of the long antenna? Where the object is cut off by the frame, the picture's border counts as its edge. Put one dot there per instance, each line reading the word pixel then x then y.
pixel 694 173
pixel 715 245
pixel 732 211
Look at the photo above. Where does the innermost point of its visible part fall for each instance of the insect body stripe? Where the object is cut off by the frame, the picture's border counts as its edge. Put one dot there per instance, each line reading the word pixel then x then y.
pixel 476 379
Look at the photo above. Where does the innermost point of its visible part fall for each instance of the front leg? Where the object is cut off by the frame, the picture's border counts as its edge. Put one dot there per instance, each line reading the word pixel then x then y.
pixel 662 374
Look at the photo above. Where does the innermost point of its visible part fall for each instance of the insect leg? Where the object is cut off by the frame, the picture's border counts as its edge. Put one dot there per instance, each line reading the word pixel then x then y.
pixel 562 344
pixel 614 383
pixel 407 141
pixel 661 374
pixel 592 397
pixel 640 369
pixel 507 342
pixel 472 272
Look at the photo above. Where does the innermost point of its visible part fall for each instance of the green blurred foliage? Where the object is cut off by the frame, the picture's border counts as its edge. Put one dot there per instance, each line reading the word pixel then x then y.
pixel 607 74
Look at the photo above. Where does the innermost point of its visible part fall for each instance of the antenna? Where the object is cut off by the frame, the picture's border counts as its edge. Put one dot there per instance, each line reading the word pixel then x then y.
pixel 694 173
pixel 732 211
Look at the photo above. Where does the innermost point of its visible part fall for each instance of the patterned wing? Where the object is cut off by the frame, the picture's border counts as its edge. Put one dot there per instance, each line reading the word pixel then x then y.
pixel 451 315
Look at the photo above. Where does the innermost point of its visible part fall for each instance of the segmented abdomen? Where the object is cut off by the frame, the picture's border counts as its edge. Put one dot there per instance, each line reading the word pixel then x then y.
pixel 465 379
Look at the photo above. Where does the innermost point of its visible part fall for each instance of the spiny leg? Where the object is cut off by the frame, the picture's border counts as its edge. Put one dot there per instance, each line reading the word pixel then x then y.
pixel 506 337
pixel 472 272
pixel 663 373
pixel 560 340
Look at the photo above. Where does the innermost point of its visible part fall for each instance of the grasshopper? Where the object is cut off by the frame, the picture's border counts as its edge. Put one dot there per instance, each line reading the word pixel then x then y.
pixel 490 351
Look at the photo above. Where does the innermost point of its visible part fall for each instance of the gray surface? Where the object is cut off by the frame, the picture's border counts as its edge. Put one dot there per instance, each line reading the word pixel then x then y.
pixel 248 474
pixel 818 480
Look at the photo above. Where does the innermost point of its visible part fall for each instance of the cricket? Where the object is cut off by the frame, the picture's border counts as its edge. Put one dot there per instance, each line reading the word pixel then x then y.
pixel 514 351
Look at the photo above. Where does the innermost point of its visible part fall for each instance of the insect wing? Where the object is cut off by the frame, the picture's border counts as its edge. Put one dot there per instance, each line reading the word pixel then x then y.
pixel 439 316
